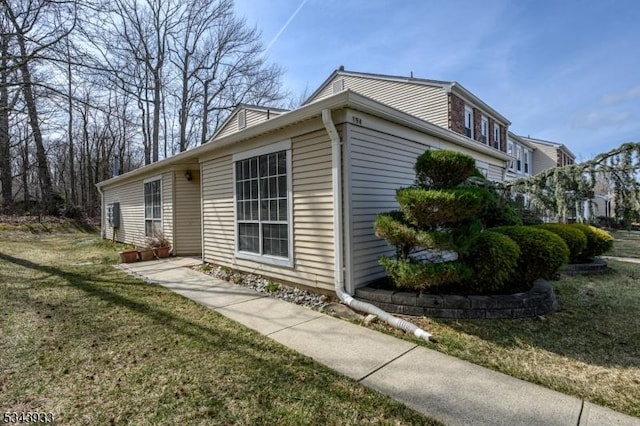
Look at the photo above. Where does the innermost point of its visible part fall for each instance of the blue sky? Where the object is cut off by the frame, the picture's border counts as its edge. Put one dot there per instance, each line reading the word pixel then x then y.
pixel 564 70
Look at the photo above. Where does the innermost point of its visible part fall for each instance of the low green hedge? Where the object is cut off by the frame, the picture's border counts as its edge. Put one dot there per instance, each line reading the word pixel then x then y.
pixel 598 241
pixel 421 276
pixel 575 239
pixel 493 258
pixel 542 252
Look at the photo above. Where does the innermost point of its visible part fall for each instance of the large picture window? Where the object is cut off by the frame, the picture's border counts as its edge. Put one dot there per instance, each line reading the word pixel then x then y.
pixel 152 206
pixel 262 204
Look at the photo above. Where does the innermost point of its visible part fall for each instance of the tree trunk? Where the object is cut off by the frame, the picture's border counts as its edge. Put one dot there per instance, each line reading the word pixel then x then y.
pixel 5 146
pixel 72 169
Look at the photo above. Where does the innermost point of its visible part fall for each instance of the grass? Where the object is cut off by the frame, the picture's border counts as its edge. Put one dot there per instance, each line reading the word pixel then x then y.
pixel 589 348
pixel 627 244
pixel 93 345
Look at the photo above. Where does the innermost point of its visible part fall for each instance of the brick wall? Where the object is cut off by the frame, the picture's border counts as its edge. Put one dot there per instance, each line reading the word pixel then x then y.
pixel 503 139
pixel 491 141
pixel 456 114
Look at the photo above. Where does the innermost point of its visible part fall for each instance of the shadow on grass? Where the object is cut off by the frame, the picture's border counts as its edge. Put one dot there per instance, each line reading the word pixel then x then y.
pixel 213 337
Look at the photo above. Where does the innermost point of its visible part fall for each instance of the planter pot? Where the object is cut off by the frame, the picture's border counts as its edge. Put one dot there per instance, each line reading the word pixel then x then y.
pixel 128 256
pixel 146 254
pixel 162 252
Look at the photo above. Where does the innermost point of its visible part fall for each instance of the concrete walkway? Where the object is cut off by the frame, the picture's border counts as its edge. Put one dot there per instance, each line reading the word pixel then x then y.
pixel 453 391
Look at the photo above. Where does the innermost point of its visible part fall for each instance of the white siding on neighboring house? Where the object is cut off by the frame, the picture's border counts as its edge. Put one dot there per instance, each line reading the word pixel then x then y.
pixel 312 214
pixel 188 229
pixel 130 195
pixel 425 102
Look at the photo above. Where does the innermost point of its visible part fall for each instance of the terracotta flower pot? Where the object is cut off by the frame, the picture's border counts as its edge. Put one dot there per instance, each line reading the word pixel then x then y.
pixel 146 254
pixel 128 256
pixel 163 252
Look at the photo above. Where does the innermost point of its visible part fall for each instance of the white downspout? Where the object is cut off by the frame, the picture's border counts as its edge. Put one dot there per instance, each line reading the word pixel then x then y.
pixel 336 156
pixel 103 228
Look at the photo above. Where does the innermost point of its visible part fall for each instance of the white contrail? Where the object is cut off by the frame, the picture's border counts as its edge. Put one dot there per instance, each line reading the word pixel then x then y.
pixel 284 27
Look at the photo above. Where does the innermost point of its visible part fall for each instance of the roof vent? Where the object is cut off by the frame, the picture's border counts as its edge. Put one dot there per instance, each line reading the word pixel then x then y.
pixel 341 68
pixel 242 119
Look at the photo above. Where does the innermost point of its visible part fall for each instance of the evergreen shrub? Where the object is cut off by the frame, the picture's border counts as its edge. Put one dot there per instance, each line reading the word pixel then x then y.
pixel 598 241
pixel 543 252
pixel 493 258
pixel 575 239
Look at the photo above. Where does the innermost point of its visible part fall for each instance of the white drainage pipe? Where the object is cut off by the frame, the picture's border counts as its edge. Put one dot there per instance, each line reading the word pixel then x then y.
pixel 347 299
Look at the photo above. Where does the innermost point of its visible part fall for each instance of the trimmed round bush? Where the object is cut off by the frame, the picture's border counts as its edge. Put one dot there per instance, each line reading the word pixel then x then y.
pixel 420 276
pixel 574 238
pixel 493 258
pixel 439 169
pixel 392 227
pixel 432 208
pixel 543 252
pixel 598 241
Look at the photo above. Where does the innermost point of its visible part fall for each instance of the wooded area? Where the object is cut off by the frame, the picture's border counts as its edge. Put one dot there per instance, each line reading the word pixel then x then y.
pixel 96 87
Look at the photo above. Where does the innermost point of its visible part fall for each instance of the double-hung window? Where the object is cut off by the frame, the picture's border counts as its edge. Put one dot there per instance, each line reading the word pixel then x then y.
pixel 496 135
pixel 152 206
pixel 484 129
pixel 519 159
pixel 468 121
pixel 511 153
pixel 262 204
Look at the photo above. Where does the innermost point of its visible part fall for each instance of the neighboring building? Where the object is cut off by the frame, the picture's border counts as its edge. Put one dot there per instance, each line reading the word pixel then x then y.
pixel 292 197
pixel 522 157
pixel 549 154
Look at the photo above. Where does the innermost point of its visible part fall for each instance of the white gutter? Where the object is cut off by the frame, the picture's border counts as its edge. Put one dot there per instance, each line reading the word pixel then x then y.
pixel 336 169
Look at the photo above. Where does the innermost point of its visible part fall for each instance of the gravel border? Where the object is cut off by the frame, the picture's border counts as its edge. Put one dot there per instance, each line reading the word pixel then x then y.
pixel 263 285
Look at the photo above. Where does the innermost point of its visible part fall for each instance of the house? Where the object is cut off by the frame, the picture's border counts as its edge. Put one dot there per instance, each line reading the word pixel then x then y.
pixel 294 197
pixel 549 154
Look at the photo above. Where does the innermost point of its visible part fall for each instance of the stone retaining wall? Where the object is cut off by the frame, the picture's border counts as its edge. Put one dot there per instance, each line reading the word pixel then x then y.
pixel 540 300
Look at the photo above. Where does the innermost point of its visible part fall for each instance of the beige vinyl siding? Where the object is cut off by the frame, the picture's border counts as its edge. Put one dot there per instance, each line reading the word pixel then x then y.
pixel 130 195
pixel 495 173
pixel 544 157
pixel 426 102
pixel 312 215
pixel 188 229
pixel 380 164
pixel 253 117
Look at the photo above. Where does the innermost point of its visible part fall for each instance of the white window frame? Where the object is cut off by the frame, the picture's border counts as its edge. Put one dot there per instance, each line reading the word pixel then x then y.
pixel 527 162
pixel 484 129
pixel 152 219
pixel 511 153
pixel 259 257
pixel 519 159
pixel 468 119
pixel 496 135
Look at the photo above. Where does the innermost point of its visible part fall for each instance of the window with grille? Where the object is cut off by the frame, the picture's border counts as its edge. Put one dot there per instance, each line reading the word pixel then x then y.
pixel 262 204
pixel 152 206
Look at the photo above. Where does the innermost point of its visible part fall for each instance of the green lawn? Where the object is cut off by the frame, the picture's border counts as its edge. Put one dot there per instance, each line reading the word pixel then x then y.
pixel 96 346
pixel 589 348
